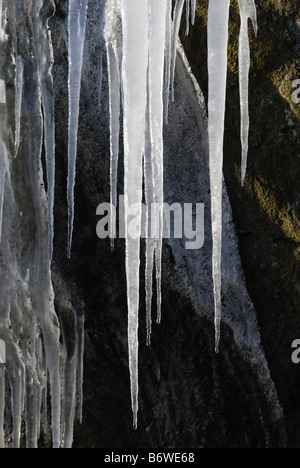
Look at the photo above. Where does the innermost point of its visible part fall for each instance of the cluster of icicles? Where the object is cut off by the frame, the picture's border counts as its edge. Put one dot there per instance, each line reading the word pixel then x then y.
pixel 141 63
pixel 43 355
pixel 141 69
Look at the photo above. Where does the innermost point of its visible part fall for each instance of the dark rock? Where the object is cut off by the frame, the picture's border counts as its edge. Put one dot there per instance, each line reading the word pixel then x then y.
pixel 189 397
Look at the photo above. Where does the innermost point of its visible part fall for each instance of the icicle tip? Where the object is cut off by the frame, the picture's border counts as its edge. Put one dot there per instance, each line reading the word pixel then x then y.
pixel 135 421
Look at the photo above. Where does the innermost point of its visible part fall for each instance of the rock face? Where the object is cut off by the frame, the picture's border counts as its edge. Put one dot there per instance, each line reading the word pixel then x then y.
pixel 190 397
pixel 266 211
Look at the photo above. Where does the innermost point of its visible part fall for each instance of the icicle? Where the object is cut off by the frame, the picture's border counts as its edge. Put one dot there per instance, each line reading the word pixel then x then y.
pixel 76 31
pixel 31 411
pixel 80 355
pixel 3 21
pixel 68 327
pixel 150 245
pixel 42 375
pixel 134 74
pixel 177 20
pixel 2 192
pixel 247 10
pixel 218 17
pixel 100 75
pixel 19 84
pixel 2 404
pixel 25 274
pixel 16 399
pixel 157 35
pixel 40 272
pixel 193 12
pixel 44 54
pixel 113 65
pixel 187 17
pixel 168 59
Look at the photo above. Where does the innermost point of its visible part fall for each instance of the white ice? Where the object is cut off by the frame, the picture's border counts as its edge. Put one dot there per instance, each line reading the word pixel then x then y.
pixel 44 55
pixel 19 84
pixel 247 11
pixel 113 49
pixel 134 78
pixel 76 38
pixel 158 11
pixel 218 17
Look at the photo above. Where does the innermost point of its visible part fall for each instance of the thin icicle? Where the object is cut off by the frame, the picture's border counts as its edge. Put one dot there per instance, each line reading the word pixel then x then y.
pixel 41 383
pixel 80 356
pixel 187 17
pixel 150 245
pixel 69 333
pixel 19 84
pixel 100 75
pixel 168 60
pixel 45 59
pixel 134 74
pixel 16 399
pixel 193 12
pixel 31 411
pixel 247 10
pixel 76 35
pixel 3 21
pixel 176 20
pixel 157 39
pixel 218 17
pixel 114 79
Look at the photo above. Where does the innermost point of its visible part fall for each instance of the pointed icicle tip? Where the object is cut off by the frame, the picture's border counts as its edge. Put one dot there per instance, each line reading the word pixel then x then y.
pixel 135 421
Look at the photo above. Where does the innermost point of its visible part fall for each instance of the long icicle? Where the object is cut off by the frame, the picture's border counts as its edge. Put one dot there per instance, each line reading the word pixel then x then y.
pixel 176 26
pixel 187 17
pixel 247 10
pixel 157 34
pixel 168 60
pixel 193 12
pixel 76 30
pixel 218 17
pixel 45 60
pixel 19 84
pixel 114 79
pixel 150 245
pixel 134 77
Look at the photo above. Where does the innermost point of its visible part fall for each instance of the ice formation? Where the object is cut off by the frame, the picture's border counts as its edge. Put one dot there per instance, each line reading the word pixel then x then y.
pixel 218 14
pixel 76 36
pixel 38 368
pixel 247 11
pixel 141 62
pixel 147 78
